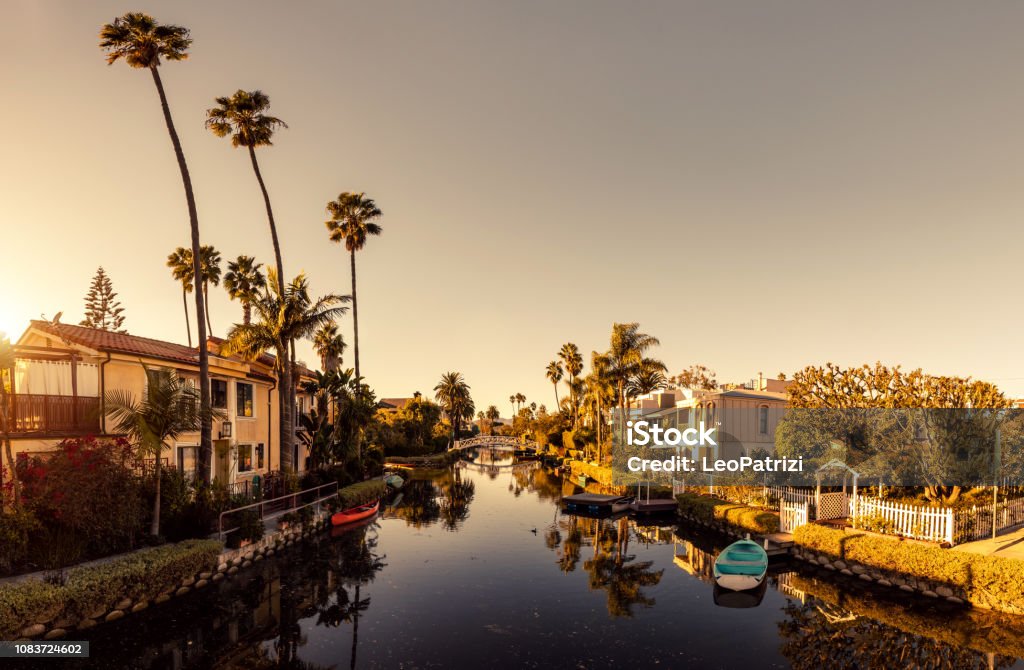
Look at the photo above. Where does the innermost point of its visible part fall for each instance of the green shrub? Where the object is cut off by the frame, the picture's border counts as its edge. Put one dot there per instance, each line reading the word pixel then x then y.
pixel 600 473
pixel 16 527
pixel 362 492
pixel 141 575
pixel 734 514
pixel 988 581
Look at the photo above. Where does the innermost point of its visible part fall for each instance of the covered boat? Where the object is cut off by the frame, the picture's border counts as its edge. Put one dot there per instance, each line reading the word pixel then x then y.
pixel 595 503
pixel 354 514
pixel 394 481
pixel 741 566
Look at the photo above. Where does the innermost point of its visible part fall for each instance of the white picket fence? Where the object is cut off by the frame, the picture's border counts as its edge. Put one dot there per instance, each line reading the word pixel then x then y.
pixel 937 524
pixel 976 523
pixel 793 514
pixel 788 494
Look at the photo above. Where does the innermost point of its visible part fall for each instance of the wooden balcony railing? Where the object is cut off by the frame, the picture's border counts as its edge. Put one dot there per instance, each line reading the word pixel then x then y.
pixel 56 415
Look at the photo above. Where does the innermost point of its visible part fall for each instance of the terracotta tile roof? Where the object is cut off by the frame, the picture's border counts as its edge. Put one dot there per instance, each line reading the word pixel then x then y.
pixel 122 343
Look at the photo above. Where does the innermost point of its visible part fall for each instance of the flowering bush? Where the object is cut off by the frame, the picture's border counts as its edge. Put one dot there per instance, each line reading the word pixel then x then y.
pixel 87 498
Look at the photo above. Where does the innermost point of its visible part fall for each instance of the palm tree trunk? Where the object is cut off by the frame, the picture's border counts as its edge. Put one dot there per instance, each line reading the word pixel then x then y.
pixel 154 528
pixel 355 630
pixel 206 431
pixel 246 312
pixel 558 406
pixel 188 326
pixel 355 310
pixel 270 219
pixel 292 396
pixel 286 433
pixel 206 299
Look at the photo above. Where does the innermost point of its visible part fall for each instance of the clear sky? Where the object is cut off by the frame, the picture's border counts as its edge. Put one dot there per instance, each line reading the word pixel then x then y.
pixel 763 185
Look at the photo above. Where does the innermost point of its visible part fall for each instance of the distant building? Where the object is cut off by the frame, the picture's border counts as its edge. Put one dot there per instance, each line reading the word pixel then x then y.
pixel 393 405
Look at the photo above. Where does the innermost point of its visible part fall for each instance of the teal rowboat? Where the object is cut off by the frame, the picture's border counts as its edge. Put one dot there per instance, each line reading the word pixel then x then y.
pixel 741 566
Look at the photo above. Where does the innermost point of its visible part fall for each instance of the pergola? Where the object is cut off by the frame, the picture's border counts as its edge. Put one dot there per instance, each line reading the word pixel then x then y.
pixel 832 466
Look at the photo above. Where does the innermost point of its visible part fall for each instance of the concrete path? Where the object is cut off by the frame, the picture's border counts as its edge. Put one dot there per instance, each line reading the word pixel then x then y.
pixel 1010 545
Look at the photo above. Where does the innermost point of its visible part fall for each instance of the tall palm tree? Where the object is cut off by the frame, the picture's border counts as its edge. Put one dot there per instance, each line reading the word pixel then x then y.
pixel 520 399
pixel 6 369
pixel 625 359
pixel 554 375
pixel 600 393
pixel 512 401
pixel 243 116
pixel 141 42
pixel 329 346
pixel 570 356
pixel 453 394
pixel 209 269
pixel 170 406
pixel 352 220
pixel 243 282
pixel 281 318
pixel 492 415
pixel 180 262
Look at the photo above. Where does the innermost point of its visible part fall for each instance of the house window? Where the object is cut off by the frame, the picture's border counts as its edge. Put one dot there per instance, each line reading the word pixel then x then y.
pixel 245 399
pixel 259 456
pixel 188 460
pixel 762 420
pixel 244 457
pixel 219 393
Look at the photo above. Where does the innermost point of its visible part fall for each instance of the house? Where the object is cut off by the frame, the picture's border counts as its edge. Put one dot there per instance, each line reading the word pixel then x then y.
pixel 62 372
pixel 745 415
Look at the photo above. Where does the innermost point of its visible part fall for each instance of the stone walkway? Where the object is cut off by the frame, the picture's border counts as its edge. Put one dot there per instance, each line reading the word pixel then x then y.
pixel 1010 545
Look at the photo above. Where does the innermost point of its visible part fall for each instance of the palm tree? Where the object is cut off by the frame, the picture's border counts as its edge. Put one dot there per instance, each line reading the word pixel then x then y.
pixel 520 399
pixel 625 359
pixel 169 407
pixel 352 220
pixel 554 375
pixel 243 116
pixel 209 268
pixel 180 262
pixel 141 42
pixel 281 318
pixel 647 380
pixel 452 392
pixel 570 356
pixel 600 392
pixel 512 401
pixel 329 346
pixel 7 364
pixel 492 415
pixel 243 282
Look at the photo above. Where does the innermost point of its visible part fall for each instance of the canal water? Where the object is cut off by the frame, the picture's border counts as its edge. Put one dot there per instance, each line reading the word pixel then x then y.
pixel 474 566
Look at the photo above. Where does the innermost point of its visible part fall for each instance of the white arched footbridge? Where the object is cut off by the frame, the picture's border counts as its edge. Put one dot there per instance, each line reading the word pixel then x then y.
pixel 506 442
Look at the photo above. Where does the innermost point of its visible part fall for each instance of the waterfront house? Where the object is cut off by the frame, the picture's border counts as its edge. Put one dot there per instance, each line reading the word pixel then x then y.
pixel 62 371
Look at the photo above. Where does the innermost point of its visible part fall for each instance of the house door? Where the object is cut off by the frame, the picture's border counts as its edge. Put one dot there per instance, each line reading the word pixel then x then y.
pixel 222 460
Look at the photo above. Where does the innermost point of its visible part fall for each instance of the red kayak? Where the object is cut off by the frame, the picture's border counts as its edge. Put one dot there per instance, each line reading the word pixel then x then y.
pixel 355 514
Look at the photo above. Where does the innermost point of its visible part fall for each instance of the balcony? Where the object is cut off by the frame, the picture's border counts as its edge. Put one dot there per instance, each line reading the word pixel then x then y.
pixel 52 415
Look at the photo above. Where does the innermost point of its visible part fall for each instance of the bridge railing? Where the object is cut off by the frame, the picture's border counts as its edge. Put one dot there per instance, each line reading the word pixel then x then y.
pixel 499 441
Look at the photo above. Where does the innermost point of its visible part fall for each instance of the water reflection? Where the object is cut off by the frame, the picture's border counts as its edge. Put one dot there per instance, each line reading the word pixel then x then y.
pixel 461 571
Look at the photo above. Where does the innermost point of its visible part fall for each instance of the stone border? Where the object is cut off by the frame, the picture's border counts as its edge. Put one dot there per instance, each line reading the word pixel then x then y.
pixel 229 563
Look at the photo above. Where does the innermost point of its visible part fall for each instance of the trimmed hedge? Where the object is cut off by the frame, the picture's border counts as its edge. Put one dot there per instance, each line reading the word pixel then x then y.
pixel 987 581
pixel 741 516
pixel 362 492
pixel 141 575
pixel 599 473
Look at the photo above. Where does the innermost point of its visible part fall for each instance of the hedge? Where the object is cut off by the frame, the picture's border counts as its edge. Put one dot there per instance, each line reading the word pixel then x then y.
pixel 141 575
pixel 987 581
pixel 741 516
pixel 600 473
pixel 362 492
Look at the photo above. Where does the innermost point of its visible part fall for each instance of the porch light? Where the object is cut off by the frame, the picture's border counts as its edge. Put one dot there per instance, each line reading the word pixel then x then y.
pixel 225 429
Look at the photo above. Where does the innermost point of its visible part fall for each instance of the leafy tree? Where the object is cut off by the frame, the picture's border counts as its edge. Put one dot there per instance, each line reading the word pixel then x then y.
pixel 243 116
pixel 554 374
pixel 103 310
pixel 353 220
pixel 180 262
pixel 697 377
pixel 243 282
pixel 170 406
pixel 141 42
pixel 453 393
pixel 281 318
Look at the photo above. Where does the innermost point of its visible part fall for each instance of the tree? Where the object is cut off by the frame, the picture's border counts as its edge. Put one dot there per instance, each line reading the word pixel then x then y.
pixel 281 318
pixel 492 415
pixel 453 394
pixel 180 262
pixel 103 311
pixel 353 217
pixel 243 116
pixel 329 346
pixel 647 380
pixel 696 377
pixel 512 401
pixel 554 375
pixel 170 406
pixel 570 356
pixel 209 268
pixel 625 359
pixel 6 369
pixel 520 399
pixel 600 390
pixel 141 42
pixel 243 282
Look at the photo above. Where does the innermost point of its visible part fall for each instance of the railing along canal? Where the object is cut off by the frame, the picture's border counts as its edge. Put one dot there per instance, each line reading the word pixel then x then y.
pixel 280 505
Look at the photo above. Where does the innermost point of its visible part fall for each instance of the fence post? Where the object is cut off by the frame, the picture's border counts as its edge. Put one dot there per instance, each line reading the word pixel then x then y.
pixel 950 523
